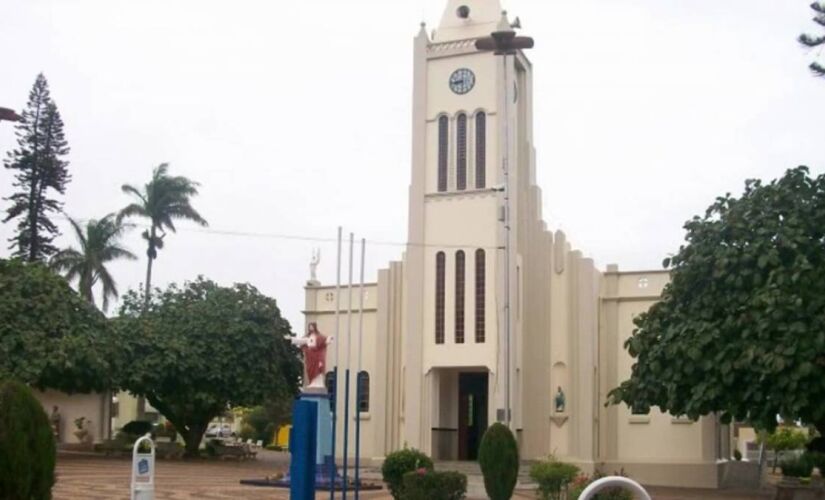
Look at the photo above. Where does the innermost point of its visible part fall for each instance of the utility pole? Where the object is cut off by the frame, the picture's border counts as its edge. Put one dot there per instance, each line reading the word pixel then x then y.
pixel 506 43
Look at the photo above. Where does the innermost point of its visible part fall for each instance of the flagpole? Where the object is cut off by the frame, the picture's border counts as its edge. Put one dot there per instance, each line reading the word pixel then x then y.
pixel 349 360
pixel 358 374
pixel 336 340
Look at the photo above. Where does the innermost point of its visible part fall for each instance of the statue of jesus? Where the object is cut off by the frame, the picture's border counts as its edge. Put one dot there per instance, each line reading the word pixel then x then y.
pixel 314 346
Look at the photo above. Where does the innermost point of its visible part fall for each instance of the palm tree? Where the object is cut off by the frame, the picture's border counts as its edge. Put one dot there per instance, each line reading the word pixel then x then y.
pixel 161 201
pixel 99 245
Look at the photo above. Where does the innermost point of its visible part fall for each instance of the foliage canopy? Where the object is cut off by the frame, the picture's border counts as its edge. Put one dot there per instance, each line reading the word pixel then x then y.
pixel 49 336
pixel 202 348
pixel 740 329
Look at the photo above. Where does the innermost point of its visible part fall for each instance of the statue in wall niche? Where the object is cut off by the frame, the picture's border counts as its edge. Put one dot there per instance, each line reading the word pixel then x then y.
pixel 314 346
pixel 54 419
pixel 560 401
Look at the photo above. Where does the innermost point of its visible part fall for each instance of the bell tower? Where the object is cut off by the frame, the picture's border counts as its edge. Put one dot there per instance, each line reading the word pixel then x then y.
pixel 471 125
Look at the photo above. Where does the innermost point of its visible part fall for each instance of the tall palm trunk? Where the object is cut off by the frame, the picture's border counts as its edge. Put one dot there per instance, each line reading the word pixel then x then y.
pixel 148 285
pixel 151 252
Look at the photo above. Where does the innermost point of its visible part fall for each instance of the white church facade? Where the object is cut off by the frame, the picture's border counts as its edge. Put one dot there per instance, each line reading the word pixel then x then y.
pixel 488 309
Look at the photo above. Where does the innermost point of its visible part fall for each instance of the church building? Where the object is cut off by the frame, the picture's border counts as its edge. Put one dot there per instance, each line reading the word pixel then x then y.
pixel 491 317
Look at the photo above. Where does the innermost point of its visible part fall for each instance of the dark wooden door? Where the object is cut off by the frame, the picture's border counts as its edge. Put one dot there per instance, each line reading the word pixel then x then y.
pixel 472 413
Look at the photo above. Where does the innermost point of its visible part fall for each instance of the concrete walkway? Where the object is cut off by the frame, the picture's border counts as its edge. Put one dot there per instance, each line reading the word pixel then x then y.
pixel 89 477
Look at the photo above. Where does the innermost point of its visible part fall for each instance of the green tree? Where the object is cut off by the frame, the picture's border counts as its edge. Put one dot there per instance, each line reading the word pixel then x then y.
pixel 162 201
pixel 814 41
pixel 781 440
pixel 197 350
pixel 740 328
pixel 99 245
pixel 49 336
pixel 39 160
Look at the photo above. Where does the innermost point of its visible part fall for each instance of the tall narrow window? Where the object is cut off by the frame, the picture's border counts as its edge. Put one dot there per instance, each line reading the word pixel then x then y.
pixel 480 294
pixel 440 261
pixel 329 382
pixel 481 150
pixel 461 152
pixel 443 139
pixel 459 297
pixel 364 392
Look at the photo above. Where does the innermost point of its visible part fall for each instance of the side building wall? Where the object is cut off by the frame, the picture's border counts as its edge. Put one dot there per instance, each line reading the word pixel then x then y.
pixel 654 448
pixel 381 346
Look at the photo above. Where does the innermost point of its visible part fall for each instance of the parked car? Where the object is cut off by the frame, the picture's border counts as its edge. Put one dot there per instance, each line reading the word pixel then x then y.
pixel 219 431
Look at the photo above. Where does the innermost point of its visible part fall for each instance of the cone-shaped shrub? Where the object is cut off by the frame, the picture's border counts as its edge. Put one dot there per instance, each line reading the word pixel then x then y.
pixel 498 457
pixel 27 450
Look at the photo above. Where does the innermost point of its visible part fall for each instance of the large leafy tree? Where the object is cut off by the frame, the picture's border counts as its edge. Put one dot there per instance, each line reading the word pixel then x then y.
pixel 740 329
pixel 42 172
pixel 815 41
pixel 198 349
pixel 50 337
pixel 162 201
pixel 99 244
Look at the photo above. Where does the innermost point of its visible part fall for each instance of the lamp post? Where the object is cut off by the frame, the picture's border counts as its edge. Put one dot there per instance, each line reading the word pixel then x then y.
pixel 505 43
pixel 9 115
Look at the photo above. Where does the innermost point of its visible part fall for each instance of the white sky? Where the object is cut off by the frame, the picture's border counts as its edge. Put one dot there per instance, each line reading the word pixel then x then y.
pixel 295 118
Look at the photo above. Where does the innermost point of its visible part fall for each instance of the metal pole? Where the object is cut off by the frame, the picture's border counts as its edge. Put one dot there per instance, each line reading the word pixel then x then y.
pixel 508 417
pixel 349 359
pixel 358 393
pixel 334 395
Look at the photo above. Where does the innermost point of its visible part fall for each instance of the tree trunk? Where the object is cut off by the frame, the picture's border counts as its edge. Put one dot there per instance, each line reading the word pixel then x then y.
pixel 192 437
pixel 141 402
pixel 148 286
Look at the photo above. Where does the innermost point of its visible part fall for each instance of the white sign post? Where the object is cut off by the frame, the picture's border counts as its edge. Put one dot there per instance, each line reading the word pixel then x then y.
pixel 143 471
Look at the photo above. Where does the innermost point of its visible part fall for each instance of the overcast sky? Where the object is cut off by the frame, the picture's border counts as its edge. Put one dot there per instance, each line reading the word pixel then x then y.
pixel 295 118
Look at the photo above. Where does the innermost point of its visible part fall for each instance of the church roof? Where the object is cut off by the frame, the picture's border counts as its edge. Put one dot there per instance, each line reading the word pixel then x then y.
pixel 465 19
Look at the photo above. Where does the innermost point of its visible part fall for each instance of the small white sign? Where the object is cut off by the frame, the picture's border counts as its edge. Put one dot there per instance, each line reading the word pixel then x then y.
pixel 143 471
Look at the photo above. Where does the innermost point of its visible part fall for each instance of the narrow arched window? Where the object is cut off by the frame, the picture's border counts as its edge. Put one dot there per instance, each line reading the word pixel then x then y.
pixel 480 294
pixel 363 392
pixel 329 382
pixel 440 265
pixel 481 150
pixel 443 147
pixel 459 297
pixel 461 152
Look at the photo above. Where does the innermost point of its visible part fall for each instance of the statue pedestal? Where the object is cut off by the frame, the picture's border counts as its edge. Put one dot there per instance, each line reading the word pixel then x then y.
pixel 326 473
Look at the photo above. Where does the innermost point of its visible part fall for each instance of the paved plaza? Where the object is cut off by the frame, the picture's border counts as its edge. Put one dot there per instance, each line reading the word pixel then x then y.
pixel 84 477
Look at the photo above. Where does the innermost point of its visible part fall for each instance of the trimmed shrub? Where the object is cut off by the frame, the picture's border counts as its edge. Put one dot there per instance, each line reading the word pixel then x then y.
pixel 27 448
pixel 498 457
pixel 553 477
pixel 737 455
pixel 426 484
pixel 137 428
pixel 399 463
pixel 796 467
pixel 814 459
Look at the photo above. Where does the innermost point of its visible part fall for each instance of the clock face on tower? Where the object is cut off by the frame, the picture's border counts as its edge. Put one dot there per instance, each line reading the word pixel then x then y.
pixel 462 81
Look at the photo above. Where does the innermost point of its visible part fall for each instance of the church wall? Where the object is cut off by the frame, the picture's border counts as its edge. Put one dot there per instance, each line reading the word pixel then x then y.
pixel 323 300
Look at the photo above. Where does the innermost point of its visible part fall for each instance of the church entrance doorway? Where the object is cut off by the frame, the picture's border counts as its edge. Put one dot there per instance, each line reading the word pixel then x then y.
pixel 472 413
